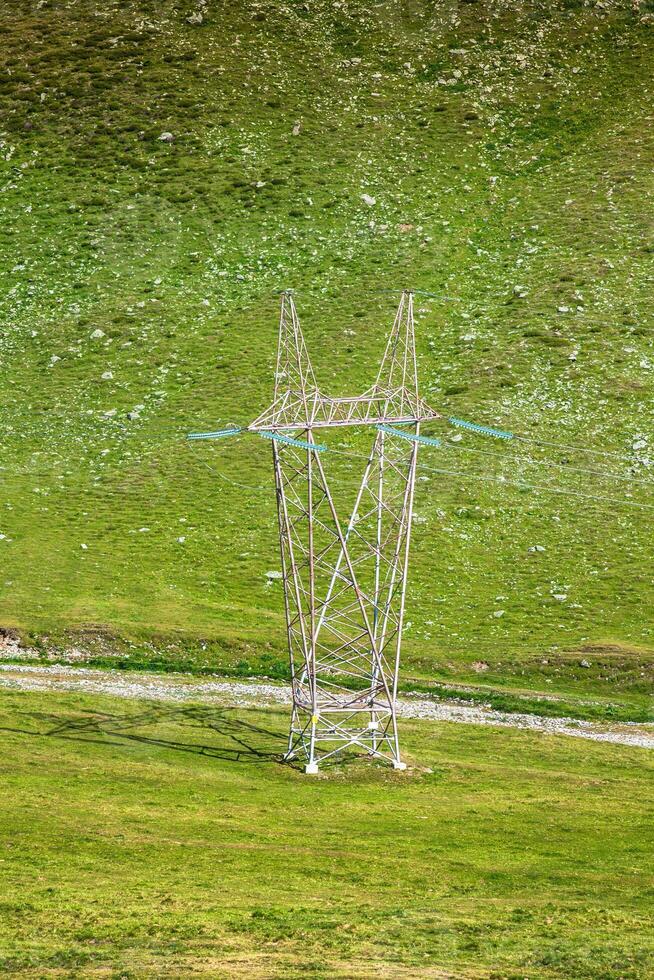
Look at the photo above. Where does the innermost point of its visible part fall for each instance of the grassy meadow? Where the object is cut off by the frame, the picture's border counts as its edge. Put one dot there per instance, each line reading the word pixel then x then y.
pixel 149 840
pixel 166 168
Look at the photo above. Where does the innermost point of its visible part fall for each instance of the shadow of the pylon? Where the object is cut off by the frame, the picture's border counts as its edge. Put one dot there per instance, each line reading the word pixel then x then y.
pixel 233 738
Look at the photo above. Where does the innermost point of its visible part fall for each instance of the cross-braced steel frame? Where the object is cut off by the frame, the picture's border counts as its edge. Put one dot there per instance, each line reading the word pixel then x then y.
pixel 344 580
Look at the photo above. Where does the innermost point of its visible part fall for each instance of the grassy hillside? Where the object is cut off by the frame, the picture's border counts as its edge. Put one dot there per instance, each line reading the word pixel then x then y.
pixel 146 841
pixel 508 148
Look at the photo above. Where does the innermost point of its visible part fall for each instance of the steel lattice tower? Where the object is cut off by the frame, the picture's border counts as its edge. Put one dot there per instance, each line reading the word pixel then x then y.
pixel 344 580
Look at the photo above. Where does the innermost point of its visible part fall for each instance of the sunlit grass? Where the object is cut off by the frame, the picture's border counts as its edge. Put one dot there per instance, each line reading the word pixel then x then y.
pixel 167 840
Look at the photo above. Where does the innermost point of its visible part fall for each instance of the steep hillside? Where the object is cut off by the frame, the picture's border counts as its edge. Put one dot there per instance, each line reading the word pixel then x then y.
pixel 168 167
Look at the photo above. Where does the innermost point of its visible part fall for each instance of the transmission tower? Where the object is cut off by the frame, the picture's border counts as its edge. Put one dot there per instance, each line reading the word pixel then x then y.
pixel 344 579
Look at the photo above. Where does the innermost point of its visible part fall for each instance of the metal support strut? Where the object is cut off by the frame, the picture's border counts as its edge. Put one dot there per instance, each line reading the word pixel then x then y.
pixel 344 579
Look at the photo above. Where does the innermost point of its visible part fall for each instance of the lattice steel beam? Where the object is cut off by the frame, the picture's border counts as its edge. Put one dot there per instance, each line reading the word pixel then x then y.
pixel 344 582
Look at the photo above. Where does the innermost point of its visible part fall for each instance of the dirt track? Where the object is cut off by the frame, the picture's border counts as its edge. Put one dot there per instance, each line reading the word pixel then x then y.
pixel 179 688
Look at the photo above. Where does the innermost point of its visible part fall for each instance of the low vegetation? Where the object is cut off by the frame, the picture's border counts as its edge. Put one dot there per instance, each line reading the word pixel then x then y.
pixel 165 169
pixel 166 840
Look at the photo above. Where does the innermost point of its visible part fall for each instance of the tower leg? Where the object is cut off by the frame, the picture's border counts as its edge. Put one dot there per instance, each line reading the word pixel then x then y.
pixel 291 751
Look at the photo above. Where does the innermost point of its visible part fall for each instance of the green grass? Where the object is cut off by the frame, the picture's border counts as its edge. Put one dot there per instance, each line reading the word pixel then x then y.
pixel 508 146
pixel 166 840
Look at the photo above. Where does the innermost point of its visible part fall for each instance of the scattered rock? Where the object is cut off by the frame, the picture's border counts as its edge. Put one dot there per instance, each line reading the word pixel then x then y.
pixel 584 663
pixel 412 705
pixel 367 199
pixel 166 138
pixel 273 575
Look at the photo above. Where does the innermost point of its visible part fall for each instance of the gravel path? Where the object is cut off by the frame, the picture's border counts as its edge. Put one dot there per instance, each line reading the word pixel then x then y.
pixel 176 688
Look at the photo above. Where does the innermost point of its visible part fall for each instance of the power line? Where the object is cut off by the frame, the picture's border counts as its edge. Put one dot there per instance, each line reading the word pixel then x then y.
pixel 546 462
pixel 227 479
pixel 578 449
pixel 102 490
pixel 529 460
pixel 534 486
pixel 487 430
pixel 180 432
pixel 502 479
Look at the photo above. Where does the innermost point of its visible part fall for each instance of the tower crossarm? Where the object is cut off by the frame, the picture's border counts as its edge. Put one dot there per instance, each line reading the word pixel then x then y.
pixel 394 407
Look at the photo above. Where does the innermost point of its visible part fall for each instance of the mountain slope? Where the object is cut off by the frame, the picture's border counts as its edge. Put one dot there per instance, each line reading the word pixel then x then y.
pixel 508 149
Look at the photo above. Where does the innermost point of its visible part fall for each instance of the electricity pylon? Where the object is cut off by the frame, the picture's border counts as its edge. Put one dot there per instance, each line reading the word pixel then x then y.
pixel 344 580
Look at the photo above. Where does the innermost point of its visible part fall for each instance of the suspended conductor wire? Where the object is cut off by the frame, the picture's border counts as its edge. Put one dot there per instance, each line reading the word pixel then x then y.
pixel 508 458
pixel 490 478
pixel 246 486
pixel 536 486
pixel 576 449
pixel 604 474
pixel 227 479
pixel 501 434
pixel 524 485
